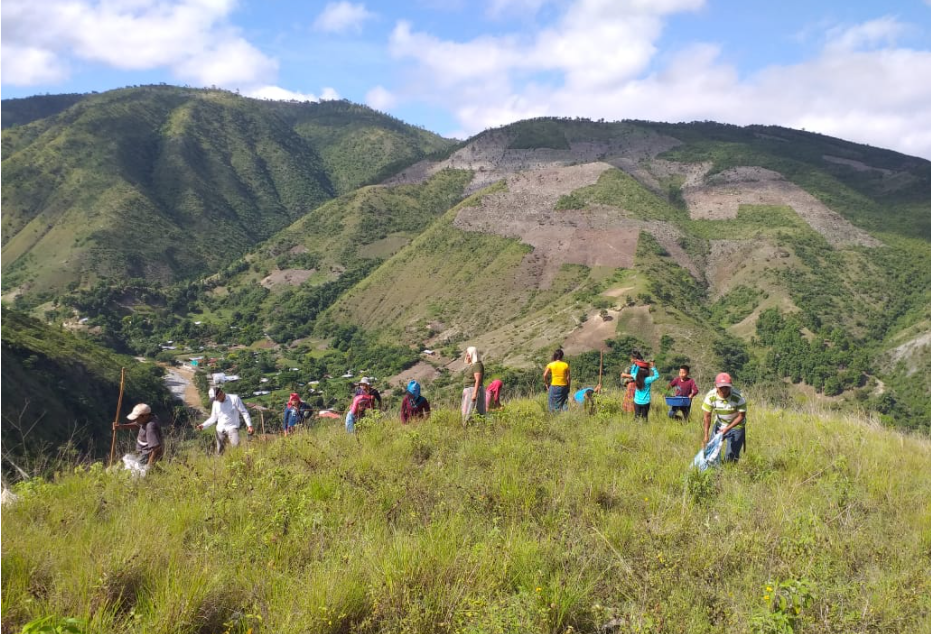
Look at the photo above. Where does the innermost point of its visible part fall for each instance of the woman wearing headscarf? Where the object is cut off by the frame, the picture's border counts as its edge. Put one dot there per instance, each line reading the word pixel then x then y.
pixel 473 394
pixel 414 405
pixel 292 413
pixel 493 395
pixel 636 363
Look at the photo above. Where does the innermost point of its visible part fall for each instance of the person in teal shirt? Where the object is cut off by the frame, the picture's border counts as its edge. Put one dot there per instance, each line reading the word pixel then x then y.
pixel 642 393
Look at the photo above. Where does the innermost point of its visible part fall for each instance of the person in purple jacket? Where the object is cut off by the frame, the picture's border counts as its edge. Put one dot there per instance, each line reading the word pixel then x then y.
pixel 684 386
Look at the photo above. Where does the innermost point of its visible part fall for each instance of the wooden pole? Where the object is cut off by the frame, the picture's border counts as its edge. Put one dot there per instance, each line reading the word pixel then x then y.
pixel 116 418
pixel 601 363
pixel 262 415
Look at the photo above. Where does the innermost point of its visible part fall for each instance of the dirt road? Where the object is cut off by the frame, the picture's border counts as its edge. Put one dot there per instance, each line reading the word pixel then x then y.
pixel 180 380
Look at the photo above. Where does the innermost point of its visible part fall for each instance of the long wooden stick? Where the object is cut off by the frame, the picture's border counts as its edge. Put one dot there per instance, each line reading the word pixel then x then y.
pixel 116 419
pixel 601 364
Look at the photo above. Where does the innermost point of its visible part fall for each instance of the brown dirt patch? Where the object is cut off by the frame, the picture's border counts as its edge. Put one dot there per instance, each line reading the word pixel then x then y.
pixel 721 196
pixel 599 235
pixel 593 333
pixel 421 371
pixel 490 161
pixel 292 277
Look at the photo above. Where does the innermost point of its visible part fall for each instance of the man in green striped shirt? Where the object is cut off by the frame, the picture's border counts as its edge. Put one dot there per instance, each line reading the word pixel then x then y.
pixel 728 408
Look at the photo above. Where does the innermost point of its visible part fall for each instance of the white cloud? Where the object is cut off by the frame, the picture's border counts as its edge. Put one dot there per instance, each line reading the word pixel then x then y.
pixel 339 17
pixel 380 98
pixel 277 93
pixel 192 38
pixel 329 94
pixel 229 63
pixel 600 60
pixel 28 65
pixel 875 33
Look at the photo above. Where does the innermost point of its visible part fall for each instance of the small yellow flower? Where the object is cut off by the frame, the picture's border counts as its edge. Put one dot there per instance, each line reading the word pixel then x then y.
pixel 769 588
pixel 539 589
pixel 766 598
pixel 646 499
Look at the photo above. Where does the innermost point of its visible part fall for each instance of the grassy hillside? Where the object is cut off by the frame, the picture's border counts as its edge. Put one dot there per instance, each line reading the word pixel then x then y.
pixel 59 388
pixel 358 145
pixel 165 183
pixel 521 523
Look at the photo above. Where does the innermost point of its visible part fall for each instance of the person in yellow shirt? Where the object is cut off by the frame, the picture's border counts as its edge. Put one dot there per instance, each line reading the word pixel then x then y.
pixel 557 380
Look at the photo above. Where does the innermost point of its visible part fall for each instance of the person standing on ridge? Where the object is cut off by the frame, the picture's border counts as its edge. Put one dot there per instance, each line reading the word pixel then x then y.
pixel 642 384
pixel 557 378
pixel 292 413
pixel 728 408
pixel 636 363
pixel 149 440
pixel 225 413
pixel 684 386
pixel 473 394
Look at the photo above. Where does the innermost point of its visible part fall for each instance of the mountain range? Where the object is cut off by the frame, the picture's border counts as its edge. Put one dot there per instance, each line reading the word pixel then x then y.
pixel 798 261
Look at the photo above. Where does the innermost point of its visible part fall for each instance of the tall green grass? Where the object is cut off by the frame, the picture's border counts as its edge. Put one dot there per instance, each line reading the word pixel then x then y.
pixel 522 522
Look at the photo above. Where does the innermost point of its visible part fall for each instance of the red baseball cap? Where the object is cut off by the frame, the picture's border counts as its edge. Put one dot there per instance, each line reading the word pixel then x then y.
pixel 722 380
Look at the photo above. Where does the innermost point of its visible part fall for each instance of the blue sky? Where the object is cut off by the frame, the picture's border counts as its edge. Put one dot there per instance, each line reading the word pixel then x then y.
pixel 858 70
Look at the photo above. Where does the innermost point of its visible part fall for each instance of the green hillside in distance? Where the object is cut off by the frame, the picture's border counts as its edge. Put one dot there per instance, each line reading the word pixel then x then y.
pixel 799 257
pixel 60 389
pixel 17 112
pixel 523 522
pixel 196 176
pixel 796 261
pixel 358 145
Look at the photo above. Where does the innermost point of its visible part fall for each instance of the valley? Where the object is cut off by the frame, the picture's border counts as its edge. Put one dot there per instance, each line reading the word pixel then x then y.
pixel 294 241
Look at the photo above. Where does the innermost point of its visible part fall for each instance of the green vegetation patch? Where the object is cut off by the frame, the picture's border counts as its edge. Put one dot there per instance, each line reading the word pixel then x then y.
pixel 619 189
pixel 523 522
pixel 752 222
pixel 537 134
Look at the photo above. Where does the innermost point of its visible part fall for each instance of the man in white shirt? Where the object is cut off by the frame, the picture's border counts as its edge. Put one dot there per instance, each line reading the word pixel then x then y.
pixel 225 414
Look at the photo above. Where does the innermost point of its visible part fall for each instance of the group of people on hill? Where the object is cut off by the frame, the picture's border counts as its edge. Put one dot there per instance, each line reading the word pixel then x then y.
pixel 724 408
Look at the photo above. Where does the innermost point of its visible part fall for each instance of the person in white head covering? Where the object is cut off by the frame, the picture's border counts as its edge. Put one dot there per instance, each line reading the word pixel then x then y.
pixel 473 395
pixel 225 413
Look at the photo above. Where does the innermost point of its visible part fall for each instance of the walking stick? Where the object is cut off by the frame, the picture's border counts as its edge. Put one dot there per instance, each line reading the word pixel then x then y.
pixel 262 416
pixel 116 419
pixel 601 363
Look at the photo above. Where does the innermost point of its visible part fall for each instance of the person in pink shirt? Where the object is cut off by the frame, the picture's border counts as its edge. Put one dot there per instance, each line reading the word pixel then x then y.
pixel 684 386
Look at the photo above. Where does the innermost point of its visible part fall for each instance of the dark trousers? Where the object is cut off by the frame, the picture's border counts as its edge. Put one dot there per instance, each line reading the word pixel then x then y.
pixel 641 411
pixel 735 443
pixel 685 409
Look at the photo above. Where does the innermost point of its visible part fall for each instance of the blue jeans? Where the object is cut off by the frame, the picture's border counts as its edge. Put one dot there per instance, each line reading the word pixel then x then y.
pixel 350 422
pixel 559 398
pixel 735 443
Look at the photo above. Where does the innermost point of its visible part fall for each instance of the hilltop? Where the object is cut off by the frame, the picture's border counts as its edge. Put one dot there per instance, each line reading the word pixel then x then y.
pixel 520 523
pixel 799 262
pixel 165 183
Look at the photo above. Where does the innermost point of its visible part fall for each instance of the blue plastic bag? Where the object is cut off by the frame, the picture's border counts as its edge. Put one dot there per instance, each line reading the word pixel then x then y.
pixel 710 454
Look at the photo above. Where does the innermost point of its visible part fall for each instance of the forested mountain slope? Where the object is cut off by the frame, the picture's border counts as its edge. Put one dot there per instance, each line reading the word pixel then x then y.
pixel 165 183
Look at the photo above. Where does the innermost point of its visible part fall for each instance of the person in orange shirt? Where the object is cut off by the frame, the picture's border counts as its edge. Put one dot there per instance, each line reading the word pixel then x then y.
pixel 557 379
